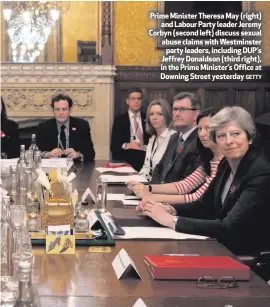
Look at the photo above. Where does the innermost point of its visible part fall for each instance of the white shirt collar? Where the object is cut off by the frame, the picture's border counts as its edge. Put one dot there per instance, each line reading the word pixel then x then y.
pixel 187 134
pixel 165 133
pixel 131 114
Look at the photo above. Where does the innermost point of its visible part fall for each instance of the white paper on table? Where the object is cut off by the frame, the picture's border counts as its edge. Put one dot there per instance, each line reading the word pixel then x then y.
pixel 55 162
pixel 123 179
pixel 134 197
pixel 112 196
pixel 131 202
pixel 156 233
pixel 8 162
pixel 124 169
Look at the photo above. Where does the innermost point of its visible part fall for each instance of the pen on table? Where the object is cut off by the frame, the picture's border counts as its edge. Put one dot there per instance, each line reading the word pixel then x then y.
pixel 181 255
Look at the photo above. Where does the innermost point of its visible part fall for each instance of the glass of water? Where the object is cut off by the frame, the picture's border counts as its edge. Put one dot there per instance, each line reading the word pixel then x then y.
pixel 101 194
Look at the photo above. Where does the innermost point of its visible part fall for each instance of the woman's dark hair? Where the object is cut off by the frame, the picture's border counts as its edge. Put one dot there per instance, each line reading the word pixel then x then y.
pixel 206 154
pixel 3 110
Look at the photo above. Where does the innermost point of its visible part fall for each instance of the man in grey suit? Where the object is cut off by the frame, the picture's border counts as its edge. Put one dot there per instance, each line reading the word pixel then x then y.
pixel 181 157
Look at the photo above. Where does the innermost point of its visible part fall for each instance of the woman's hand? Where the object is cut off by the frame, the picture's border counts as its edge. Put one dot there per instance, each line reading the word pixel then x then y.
pixel 158 213
pixel 141 205
pixel 132 183
pixel 140 190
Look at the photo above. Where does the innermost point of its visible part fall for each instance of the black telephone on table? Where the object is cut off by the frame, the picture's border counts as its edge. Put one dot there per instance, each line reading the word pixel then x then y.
pixel 114 226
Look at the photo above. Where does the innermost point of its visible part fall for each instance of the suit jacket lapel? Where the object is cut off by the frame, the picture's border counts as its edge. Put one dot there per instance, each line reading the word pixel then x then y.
pixel 126 128
pixel 238 178
pixel 54 134
pixel 234 186
pixel 174 139
pixel 72 132
pixel 186 143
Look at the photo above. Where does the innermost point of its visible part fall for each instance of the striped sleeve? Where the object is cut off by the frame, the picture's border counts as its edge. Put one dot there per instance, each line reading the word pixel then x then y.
pixel 199 193
pixel 192 181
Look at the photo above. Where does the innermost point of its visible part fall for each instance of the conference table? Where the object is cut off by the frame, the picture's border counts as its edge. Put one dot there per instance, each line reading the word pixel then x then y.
pixel 88 279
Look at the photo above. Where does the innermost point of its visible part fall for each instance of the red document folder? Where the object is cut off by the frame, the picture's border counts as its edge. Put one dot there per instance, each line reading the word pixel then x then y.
pixel 190 267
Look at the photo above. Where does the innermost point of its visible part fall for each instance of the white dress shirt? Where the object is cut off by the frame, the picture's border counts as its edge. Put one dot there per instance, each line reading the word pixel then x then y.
pixel 133 131
pixel 187 134
pixel 154 152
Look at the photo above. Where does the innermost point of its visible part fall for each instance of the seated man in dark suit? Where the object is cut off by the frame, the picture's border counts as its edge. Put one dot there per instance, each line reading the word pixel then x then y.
pixel 181 157
pixel 65 135
pixel 128 134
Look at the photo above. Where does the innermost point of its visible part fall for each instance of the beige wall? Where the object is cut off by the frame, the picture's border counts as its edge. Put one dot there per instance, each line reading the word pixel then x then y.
pixel 79 23
pixel 3 37
pixel 133 46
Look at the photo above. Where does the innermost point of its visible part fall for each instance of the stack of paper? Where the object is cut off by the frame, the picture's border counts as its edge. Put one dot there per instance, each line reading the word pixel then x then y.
pixel 131 202
pixel 113 196
pixel 123 179
pixel 125 169
pixel 157 233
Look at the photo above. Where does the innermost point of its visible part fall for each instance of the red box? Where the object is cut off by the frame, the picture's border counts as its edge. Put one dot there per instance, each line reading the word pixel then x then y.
pixel 194 267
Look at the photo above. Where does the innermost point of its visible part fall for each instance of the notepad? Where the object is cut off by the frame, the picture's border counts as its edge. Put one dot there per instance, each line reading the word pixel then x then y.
pixel 157 233
pixel 114 179
pixel 116 170
pixel 131 202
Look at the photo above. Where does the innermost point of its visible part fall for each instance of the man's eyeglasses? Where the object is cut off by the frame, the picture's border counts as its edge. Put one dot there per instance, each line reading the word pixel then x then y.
pixel 223 282
pixel 183 110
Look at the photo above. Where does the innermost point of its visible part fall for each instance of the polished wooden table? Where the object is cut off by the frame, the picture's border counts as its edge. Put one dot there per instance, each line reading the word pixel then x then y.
pixel 88 279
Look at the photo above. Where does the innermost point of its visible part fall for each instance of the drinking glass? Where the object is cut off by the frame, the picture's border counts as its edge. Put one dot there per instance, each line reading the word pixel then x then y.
pixel 18 258
pixel 101 194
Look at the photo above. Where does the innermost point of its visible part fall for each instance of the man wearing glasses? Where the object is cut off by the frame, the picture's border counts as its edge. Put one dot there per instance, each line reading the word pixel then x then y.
pixel 64 135
pixel 181 157
pixel 128 134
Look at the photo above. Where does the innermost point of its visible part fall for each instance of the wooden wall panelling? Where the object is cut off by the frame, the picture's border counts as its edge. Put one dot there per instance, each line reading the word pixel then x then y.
pixel 158 93
pixel 217 97
pixel 253 96
pixel 267 99
pixel 246 98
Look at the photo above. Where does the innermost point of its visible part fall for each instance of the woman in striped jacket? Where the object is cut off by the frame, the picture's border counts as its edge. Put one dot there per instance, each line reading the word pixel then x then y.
pixel 191 188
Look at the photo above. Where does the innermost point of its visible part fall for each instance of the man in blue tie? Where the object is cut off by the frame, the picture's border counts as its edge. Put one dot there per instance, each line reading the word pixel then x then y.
pixel 181 157
pixel 65 135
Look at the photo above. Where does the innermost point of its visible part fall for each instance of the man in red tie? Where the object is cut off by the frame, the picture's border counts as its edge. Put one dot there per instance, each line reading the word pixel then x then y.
pixel 129 138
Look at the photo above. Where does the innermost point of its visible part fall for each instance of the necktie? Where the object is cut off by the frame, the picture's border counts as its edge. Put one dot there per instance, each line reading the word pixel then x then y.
pixel 179 146
pixel 63 136
pixel 138 131
pixel 180 143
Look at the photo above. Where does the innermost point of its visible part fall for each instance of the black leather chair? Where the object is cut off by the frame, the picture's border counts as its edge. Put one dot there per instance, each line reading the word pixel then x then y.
pixel 25 135
pixel 263 129
pixel 259 264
